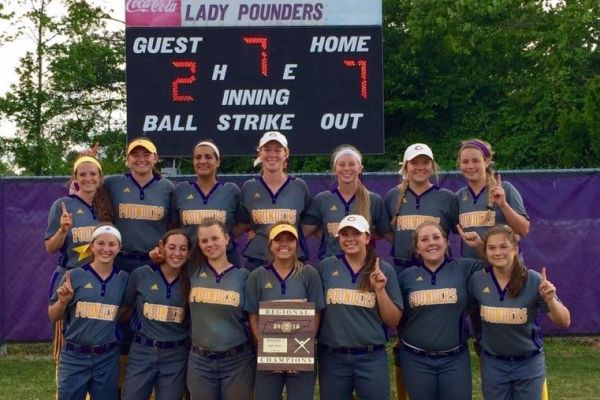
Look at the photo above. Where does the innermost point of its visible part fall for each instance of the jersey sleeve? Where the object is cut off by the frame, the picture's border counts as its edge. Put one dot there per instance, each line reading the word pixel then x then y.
pixel 171 218
pixel 175 217
pixel 307 200
pixel 242 214
pixel 452 212
pixel 251 297
pixel 471 265
pixel 234 192
pixel 379 216
pixel 513 197
pixel 53 219
pixel 392 287
pixel 389 203
pixel 314 288
pixel 132 285
pixel 313 215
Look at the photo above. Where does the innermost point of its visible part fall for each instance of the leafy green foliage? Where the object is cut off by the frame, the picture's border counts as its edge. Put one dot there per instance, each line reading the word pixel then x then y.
pixel 70 91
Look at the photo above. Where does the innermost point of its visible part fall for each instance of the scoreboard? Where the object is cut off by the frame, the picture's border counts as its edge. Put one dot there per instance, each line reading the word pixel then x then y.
pixel 230 70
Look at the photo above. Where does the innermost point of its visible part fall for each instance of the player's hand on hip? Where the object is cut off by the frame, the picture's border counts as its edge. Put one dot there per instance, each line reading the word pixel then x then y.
pixel 65 291
pixel 377 279
pixel 66 219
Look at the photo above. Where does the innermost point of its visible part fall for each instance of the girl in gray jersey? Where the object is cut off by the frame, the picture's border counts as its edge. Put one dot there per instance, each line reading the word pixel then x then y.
pixel 206 197
pixel 348 197
pixel 71 221
pixel 510 295
pixel 486 201
pixel 434 354
pixel 411 203
pixel 362 299
pixel 284 279
pixel 88 300
pixel 221 362
pixel 158 293
pixel 142 202
pixel 272 197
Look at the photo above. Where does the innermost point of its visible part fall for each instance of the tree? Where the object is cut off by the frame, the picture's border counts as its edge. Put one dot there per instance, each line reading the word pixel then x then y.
pixel 516 73
pixel 70 90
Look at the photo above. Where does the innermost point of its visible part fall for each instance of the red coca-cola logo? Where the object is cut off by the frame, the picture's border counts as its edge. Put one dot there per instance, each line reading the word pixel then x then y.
pixel 151 6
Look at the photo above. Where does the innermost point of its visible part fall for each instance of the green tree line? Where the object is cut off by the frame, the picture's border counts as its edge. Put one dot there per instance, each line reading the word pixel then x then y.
pixel 524 75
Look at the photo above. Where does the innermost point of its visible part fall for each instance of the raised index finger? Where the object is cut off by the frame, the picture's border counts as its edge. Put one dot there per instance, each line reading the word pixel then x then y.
pixel 67 281
pixel 499 180
pixel 63 207
pixel 376 268
pixel 543 273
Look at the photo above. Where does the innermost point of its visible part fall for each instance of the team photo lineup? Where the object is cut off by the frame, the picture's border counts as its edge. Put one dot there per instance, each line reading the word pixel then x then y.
pixel 203 289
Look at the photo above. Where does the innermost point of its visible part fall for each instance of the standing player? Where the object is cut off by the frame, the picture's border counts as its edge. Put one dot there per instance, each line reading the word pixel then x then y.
pixel 415 201
pixel 158 356
pixel 142 202
pixel 362 298
pixel 141 199
pixel 88 300
pixel 221 362
pixel 272 197
pixel 72 220
pixel 486 201
pixel 285 278
pixel 349 197
pixel 509 294
pixel 434 355
pixel 408 205
pixel 205 197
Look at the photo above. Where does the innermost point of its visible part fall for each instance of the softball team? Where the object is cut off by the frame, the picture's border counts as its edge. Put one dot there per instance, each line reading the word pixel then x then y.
pixel 195 312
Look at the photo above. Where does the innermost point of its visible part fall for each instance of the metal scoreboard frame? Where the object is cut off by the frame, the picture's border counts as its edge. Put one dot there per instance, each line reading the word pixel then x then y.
pixel 230 70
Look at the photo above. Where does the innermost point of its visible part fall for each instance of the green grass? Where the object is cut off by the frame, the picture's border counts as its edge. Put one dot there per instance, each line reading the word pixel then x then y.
pixel 27 373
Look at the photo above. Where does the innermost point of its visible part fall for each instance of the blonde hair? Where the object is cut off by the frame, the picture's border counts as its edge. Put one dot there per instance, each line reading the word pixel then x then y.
pixel 488 154
pixel 403 185
pixel 363 200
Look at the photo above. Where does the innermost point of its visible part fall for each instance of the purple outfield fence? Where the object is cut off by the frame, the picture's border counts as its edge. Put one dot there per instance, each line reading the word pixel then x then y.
pixel 564 207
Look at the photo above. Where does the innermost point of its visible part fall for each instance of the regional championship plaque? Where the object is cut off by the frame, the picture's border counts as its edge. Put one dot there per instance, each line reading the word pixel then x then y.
pixel 287 336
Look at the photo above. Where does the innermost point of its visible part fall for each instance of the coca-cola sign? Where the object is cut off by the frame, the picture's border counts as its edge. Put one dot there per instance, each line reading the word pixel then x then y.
pixel 153 12
pixel 151 5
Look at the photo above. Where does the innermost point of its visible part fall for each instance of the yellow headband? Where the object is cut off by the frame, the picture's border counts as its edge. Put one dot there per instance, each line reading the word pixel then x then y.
pixel 283 228
pixel 148 145
pixel 83 159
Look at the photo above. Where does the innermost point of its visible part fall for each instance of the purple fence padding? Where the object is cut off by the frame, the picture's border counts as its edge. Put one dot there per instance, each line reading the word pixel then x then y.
pixel 564 236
